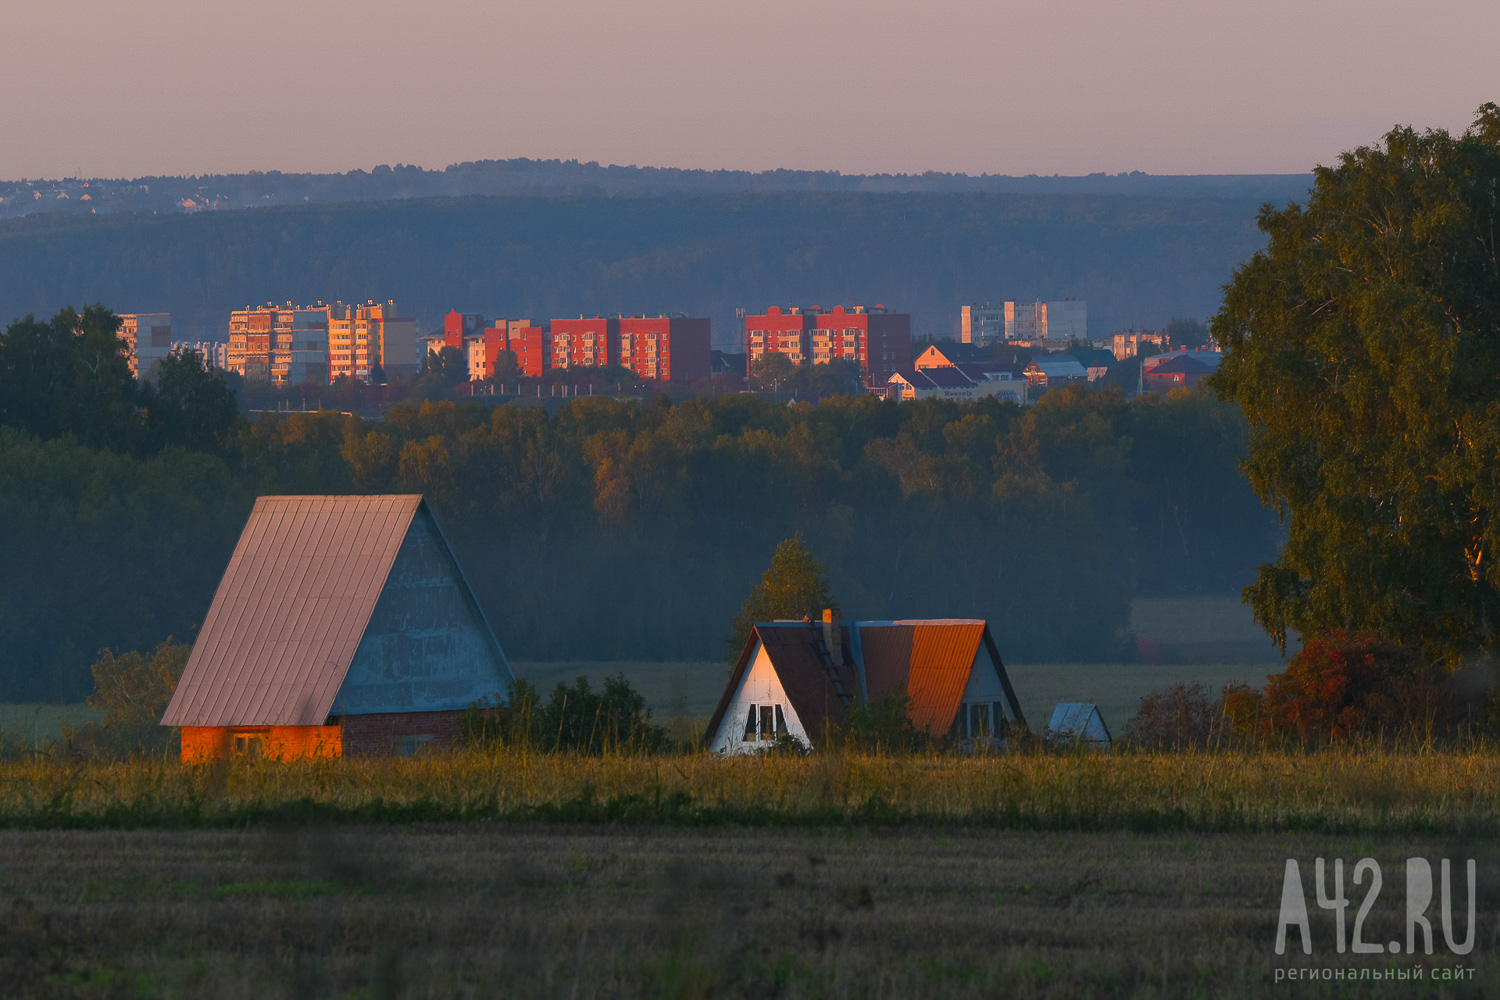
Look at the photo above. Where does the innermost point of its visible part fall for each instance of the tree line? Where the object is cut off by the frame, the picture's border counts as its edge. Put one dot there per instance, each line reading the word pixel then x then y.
pixel 614 529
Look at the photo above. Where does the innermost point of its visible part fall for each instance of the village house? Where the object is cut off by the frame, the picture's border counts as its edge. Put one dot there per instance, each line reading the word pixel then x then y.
pixel 796 679
pixel 938 374
pixel 1052 371
pixel 343 626
pixel 1177 370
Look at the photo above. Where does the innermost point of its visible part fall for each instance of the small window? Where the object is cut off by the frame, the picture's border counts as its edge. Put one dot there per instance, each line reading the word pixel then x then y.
pixel 780 722
pixel 750 725
pixel 248 746
pixel 767 723
pixel 979 721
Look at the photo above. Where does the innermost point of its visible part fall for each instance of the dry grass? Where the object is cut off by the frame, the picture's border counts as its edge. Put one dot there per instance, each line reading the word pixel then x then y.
pixel 584 912
pixel 1346 790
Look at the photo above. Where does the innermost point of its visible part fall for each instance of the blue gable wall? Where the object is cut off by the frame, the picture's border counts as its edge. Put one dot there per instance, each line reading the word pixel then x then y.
pixel 427 648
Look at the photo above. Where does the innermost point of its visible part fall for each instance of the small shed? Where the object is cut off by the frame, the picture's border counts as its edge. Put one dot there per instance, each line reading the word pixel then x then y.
pixel 797 678
pixel 342 626
pixel 1079 722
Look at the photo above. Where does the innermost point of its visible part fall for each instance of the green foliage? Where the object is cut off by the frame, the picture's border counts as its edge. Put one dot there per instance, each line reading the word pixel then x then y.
pixel 1362 350
pixel 793 587
pixel 191 403
pixel 131 691
pixel 575 719
pixel 881 726
pixel 103 550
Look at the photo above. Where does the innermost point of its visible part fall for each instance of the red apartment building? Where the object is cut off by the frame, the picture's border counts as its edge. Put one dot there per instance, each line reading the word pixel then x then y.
pixel 457 326
pixel 880 341
pixel 523 338
pixel 666 348
pixel 584 342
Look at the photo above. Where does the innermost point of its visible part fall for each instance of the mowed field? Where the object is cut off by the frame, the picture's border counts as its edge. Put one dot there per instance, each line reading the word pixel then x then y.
pixel 481 910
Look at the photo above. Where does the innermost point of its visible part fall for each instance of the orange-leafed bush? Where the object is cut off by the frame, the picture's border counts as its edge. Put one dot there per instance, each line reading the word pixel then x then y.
pixel 1348 684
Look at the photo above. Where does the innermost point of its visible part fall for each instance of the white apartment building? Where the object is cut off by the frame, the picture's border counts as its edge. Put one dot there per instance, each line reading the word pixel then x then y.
pixel 148 339
pixel 981 325
pixel 1064 319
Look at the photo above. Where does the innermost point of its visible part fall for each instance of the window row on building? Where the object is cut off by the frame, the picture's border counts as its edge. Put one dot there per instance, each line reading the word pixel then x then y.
pixel 878 340
pixel 290 344
pixel 662 348
pixel 1027 322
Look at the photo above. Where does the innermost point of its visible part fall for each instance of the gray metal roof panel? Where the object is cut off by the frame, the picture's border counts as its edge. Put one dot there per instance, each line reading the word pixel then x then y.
pixel 290 610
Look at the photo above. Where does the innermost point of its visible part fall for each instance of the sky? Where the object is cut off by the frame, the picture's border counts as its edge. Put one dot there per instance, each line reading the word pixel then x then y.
pixel 125 88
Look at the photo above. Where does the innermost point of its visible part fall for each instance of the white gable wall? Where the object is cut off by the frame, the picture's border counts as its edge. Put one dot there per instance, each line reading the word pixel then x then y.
pixel 984 689
pixel 760 685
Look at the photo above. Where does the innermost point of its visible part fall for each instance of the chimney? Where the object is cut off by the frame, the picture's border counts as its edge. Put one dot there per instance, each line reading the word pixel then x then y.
pixel 833 635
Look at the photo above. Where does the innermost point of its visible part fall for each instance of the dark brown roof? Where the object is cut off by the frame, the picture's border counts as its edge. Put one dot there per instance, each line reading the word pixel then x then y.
pixel 290 611
pixel 793 649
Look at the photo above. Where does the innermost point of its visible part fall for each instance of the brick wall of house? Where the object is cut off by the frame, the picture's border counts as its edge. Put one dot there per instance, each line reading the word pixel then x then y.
pixel 399 733
pixel 205 743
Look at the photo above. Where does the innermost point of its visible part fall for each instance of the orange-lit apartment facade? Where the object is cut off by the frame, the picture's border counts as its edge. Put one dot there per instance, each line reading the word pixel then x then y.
pixel 878 340
pixel 660 348
pixel 290 345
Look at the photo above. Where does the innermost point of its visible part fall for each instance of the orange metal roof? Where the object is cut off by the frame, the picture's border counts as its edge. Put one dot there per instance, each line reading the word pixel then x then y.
pixel 290 610
pixel 928 660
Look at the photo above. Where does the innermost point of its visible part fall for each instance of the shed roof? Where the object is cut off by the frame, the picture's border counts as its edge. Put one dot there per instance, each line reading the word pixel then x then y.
pixel 1079 720
pixel 291 609
pixel 1181 364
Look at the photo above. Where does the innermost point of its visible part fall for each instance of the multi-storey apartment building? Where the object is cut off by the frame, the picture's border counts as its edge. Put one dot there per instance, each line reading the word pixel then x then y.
pixel 1066 319
pixel 526 340
pixel 666 348
pixel 982 325
pixel 585 342
pixel 148 339
pixel 362 336
pixel 250 342
pixel 878 340
pixel 285 345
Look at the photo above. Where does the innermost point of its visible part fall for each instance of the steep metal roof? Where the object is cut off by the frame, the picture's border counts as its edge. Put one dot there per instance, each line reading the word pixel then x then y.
pixel 290 610
pixel 794 651
pixel 928 660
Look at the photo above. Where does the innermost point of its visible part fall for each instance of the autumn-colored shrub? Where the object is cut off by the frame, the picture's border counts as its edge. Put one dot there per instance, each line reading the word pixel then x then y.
pixel 1344 685
pixel 1182 716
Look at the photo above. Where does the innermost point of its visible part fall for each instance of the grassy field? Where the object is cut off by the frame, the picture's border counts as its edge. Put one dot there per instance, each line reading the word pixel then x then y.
pixel 583 912
pixel 1350 790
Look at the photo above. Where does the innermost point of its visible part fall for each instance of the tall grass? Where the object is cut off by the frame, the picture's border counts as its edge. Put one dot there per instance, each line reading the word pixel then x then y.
pixel 1351 789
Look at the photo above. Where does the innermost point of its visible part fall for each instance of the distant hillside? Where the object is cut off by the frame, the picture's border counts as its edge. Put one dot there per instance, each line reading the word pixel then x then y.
pixel 571 179
pixel 1137 259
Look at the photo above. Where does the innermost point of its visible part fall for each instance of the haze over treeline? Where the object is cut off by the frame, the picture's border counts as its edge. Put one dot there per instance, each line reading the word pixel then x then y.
pixel 611 529
pixel 1139 260
pixel 570 178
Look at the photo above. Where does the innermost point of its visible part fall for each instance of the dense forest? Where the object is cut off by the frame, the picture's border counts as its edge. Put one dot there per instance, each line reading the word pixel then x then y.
pixel 1137 260
pixel 570 179
pixel 615 529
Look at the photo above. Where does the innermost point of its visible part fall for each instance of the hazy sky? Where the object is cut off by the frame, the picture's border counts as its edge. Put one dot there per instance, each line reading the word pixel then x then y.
pixel 132 87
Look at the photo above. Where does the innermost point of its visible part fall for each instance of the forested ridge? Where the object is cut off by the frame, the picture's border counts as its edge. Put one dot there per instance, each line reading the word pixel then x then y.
pixel 620 530
pixel 1137 259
